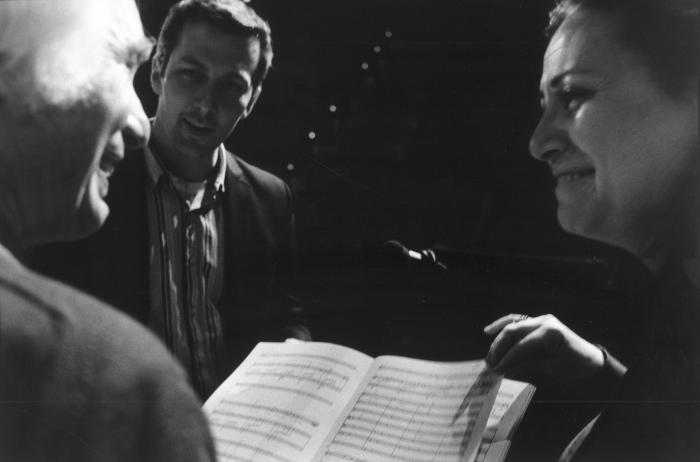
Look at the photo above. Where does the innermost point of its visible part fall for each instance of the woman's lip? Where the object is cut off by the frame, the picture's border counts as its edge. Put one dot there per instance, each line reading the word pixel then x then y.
pixel 109 162
pixel 103 182
pixel 572 174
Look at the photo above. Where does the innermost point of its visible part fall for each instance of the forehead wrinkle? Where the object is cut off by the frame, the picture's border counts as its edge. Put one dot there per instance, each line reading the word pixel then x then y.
pixel 555 47
pixel 575 48
pixel 588 46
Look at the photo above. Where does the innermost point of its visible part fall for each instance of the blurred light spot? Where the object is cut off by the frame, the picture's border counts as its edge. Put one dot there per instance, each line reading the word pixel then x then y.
pixel 290 167
pixel 365 66
pixel 377 49
pixel 312 135
pixel 388 34
pixel 333 108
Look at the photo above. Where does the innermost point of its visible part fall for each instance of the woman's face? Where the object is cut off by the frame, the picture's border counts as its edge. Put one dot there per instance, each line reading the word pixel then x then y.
pixel 624 154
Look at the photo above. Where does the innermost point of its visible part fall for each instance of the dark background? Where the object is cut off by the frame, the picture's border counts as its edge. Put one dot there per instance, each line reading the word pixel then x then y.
pixel 428 145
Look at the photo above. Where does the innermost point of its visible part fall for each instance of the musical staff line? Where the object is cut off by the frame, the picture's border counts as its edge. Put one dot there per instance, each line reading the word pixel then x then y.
pixel 420 437
pixel 419 426
pixel 284 427
pixel 479 386
pixel 272 409
pixel 343 456
pixel 254 449
pixel 425 392
pixel 431 447
pixel 452 377
pixel 399 415
pixel 231 457
pixel 394 383
pixel 265 434
pixel 287 390
pixel 323 370
pixel 411 457
pixel 301 378
pixel 309 355
pixel 370 398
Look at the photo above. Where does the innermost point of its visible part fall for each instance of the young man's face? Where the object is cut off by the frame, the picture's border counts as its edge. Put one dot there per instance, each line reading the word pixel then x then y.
pixel 205 89
pixel 73 109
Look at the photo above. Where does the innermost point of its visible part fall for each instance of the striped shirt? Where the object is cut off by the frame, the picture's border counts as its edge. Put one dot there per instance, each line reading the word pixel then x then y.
pixel 185 223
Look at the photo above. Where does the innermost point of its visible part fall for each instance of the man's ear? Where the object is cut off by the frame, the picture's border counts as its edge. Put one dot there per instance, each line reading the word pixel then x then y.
pixel 253 99
pixel 156 78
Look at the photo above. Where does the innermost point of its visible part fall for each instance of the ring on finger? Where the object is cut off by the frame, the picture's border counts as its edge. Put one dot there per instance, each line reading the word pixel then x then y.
pixel 520 317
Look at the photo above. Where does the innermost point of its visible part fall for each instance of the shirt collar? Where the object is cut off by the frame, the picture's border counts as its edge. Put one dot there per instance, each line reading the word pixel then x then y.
pixel 219 179
pixel 156 169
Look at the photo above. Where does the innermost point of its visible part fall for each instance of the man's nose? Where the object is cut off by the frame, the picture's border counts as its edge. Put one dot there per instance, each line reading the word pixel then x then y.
pixel 136 129
pixel 206 102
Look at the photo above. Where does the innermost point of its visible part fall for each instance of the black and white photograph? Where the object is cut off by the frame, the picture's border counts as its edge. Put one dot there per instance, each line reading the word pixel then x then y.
pixel 349 231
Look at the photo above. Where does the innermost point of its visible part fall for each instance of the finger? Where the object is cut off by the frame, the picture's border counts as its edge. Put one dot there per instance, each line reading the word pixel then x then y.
pixel 509 336
pixel 525 355
pixel 502 322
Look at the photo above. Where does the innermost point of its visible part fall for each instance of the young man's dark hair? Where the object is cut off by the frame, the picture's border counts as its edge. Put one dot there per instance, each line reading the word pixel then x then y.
pixel 229 15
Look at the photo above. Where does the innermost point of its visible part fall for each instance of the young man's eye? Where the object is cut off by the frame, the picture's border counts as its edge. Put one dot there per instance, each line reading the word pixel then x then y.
pixel 234 87
pixel 189 74
pixel 231 91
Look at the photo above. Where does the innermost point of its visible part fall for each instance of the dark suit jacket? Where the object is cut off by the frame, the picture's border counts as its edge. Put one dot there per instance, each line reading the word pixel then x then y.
pixel 258 241
pixel 655 414
pixel 81 382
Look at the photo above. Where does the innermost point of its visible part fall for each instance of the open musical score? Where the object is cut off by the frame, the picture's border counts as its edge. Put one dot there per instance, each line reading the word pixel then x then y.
pixel 306 401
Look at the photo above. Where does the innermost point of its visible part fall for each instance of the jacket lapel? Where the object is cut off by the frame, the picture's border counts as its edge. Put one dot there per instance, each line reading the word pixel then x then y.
pixel 237 223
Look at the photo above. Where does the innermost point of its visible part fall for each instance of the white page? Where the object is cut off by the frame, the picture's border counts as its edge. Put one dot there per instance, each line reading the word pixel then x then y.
pixel 279 403
pixel 495 452
pixel 496 429
pixel 501 419
pixel 413 411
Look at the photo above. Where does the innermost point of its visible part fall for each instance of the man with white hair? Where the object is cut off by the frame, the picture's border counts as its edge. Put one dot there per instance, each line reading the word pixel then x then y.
pixel 199 245
pixel 78 381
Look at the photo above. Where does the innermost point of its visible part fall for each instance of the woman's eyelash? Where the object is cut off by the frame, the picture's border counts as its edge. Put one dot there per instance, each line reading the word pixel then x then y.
pixel 573 97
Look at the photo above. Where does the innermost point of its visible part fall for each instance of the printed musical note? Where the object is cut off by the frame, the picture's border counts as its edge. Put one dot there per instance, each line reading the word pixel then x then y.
pixel 280 401
pixel 415 412
pixel 307 401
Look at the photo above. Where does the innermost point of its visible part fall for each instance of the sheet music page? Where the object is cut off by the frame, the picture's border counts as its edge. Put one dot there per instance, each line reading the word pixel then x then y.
pixel 495 452
pixel 412 411
pixel 497 430
pixel 280 402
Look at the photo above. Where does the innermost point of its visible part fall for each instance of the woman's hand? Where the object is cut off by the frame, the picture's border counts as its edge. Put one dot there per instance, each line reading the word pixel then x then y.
pixel 542 344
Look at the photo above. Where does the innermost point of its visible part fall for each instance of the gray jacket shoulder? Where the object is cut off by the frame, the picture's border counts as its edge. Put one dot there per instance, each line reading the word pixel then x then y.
pixel 87 383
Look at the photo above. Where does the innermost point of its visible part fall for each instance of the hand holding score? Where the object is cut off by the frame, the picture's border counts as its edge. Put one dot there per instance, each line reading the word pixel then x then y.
pixel 541 344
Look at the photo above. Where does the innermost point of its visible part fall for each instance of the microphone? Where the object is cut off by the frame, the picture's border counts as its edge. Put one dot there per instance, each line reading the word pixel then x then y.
pixel 423 257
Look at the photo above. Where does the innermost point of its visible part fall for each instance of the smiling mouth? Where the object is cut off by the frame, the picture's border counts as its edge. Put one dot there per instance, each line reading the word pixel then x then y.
pixel 573 176
pixel 109 162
